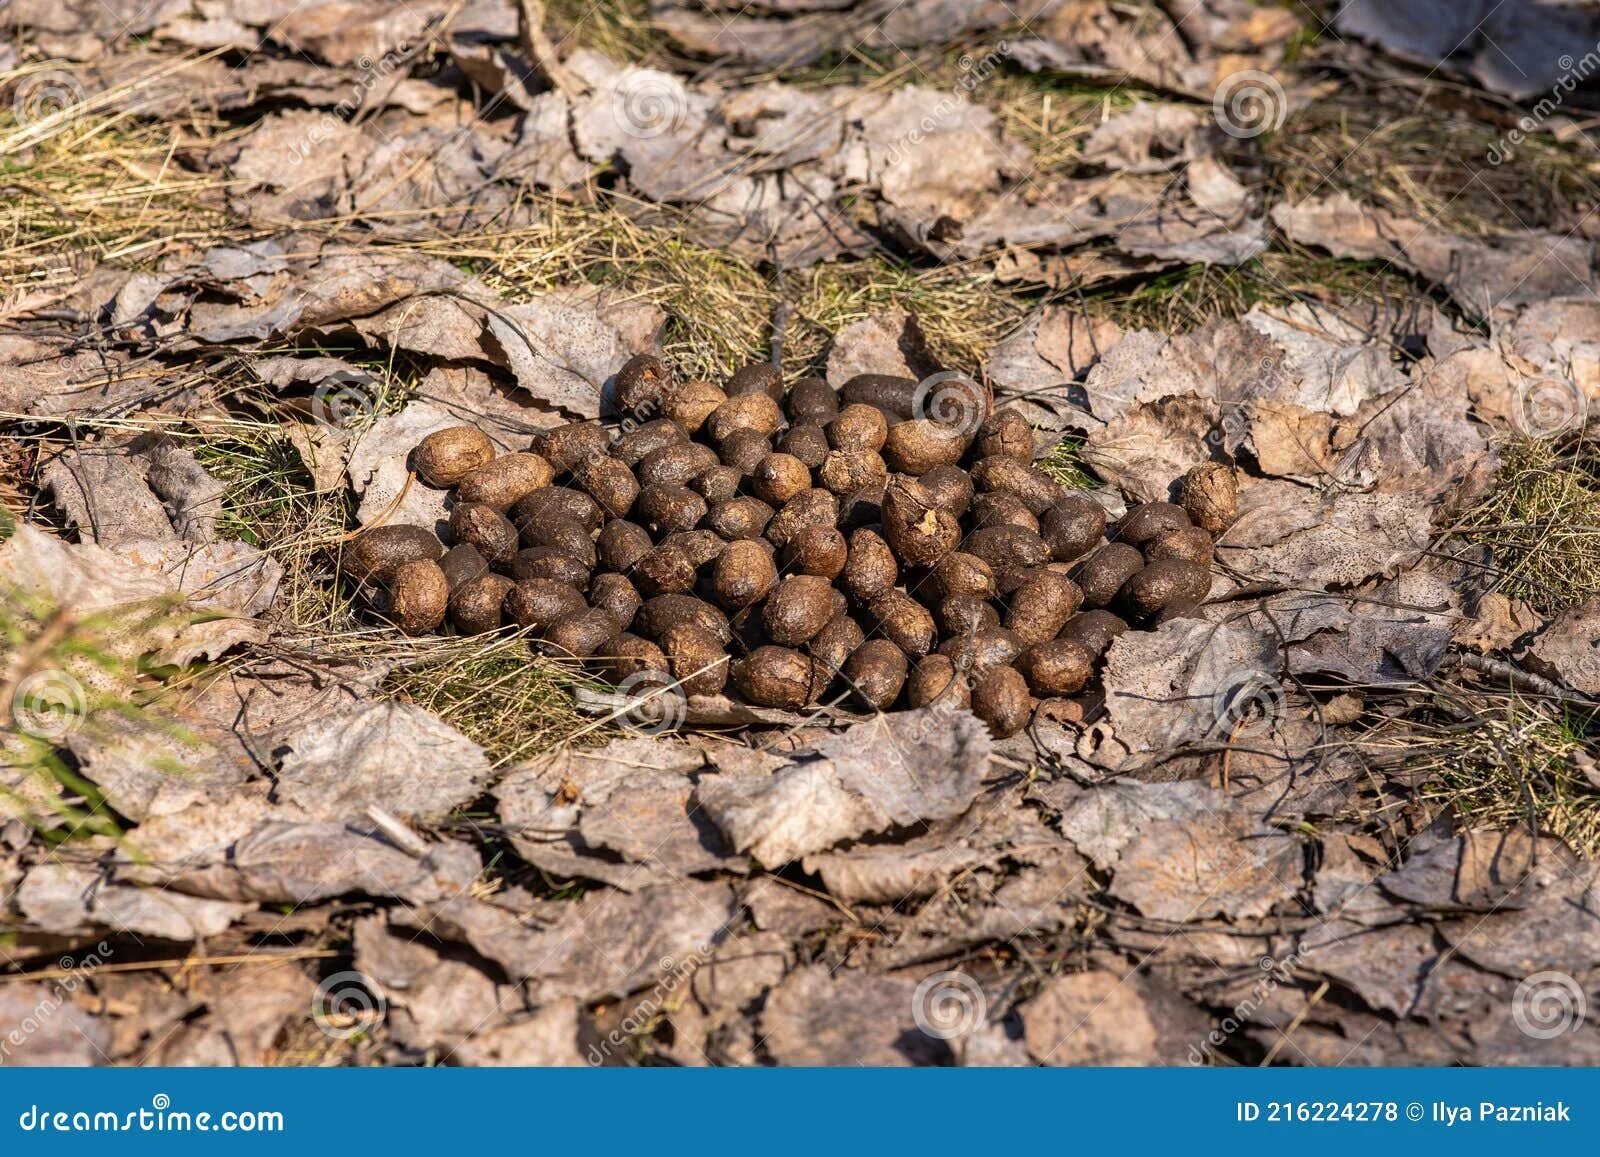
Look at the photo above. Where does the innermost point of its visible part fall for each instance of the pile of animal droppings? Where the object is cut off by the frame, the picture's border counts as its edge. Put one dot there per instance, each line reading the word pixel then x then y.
pixel 891 542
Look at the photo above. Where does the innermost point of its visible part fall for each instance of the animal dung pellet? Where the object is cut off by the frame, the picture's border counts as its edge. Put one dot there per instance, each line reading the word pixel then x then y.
pixel 445 457
pixel 419 597
pixel 1211 496
pixel 380 552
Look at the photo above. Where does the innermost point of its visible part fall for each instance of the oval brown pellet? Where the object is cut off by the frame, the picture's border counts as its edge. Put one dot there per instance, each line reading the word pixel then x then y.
pixel 381 551
pixel 1002 701
pixel 445 457
pixel 1103 572
pixel 876 671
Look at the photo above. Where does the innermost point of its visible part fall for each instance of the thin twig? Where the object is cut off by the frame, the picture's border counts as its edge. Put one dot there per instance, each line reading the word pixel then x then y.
pixel 530 16
pixel 1523 680
pixel 187 962
pixel 1299 1018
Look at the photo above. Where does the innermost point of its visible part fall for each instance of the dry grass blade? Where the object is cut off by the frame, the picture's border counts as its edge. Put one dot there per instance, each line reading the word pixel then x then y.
pixel 1542 521
pixel 494 690
pixel 1378 146
pixel 98 188
pixel 66 673
pixel 1512 761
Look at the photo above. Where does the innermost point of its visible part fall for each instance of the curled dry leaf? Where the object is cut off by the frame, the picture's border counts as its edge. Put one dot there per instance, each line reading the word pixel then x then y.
pixel 891 771
pixel 890 343
pixel 379 465
pixel 1184 851
pixel 243 1016
pixel 435 1002
pixel 75 901
pixel 93 580
pixel 606 944
pixel 102 491
pixel 1569 648
pixel 395 756
pixel 1509 270
pixel 562 347
pixel 69 1037
pixel 577 812
pixel 1143 450
pixel 1170 688
pixel 1290 535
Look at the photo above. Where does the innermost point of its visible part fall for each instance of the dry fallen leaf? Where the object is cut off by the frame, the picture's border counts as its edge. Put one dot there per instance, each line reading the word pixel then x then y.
pixel 245 1011
pixel 1088 1018
pixel 142 604
pixel 394 756
pixel 606 944
pixel 579 812
pixel 1292 535
pixel 894 770
pixel 1569 648
pixel 103 492
pixel 75 901
pixel 563 347
pixel 1184 851
pixel 1507 270
pixel 433 1002
pixel 1174 687
pixel 821 1017
pixel 379 466
pixel 70 1036
pixel 889 343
